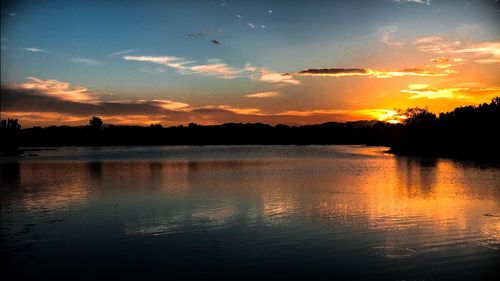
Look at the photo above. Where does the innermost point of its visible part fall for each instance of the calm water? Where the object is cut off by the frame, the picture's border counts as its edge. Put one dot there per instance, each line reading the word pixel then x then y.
pixel 273 211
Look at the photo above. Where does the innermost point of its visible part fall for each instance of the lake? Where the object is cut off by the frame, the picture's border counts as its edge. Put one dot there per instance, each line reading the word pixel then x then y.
pixel 284 212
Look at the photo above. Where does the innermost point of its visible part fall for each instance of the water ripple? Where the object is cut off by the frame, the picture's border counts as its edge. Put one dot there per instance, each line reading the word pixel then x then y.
pixel 391 251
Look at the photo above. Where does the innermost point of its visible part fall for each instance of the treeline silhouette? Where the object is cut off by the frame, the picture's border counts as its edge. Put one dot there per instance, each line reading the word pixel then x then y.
pixel 470 131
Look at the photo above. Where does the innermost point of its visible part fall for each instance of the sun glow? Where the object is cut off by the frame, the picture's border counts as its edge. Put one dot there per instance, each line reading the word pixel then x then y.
pixel 386 115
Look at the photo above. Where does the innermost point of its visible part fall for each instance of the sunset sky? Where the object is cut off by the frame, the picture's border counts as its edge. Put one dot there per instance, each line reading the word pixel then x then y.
pixel 211 62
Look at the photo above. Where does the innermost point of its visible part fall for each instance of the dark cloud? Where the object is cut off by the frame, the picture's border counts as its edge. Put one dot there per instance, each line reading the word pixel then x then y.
pixel 319 71
pixel 377 73
pixel 28 100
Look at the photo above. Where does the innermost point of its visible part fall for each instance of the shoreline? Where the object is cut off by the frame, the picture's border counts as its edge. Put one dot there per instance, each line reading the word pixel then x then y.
pixel 30 151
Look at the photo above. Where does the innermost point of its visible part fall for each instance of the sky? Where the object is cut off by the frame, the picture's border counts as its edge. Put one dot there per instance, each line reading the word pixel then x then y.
pixel 212 62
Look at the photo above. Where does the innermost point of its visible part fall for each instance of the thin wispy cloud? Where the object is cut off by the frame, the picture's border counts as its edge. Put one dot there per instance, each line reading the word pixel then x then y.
pixel 269 94
pixel 212 68
pixel 86 61
pixel 387 34
pixel 435 44
pixel 277 78
pixel 121 53
pixel 170 61
pixel 423 2
pixel 218 69
pixel 215 108
pixel 485 52
pixel 481 52
pixel 36 50
pixel 487 61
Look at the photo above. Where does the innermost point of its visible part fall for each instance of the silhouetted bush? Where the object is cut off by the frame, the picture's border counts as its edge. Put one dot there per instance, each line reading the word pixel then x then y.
pixel 11 124
pixel 10 136
pixel 95 122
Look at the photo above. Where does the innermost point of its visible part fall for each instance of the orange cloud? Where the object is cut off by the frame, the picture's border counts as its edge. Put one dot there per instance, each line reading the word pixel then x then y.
pixel 243 111
pixel 218 69
pixel 492 48
pixel 269 94
pixel 46 117
pixel 419 91
pixel 486 61
pixel 57 89
pixel 483 52
pixel 446 62
pixel 170 105
pixel 435 44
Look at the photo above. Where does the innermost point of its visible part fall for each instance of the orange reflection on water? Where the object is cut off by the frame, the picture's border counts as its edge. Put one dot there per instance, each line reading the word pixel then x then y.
pixel 46 186
pixel 358 187
pixel 436 199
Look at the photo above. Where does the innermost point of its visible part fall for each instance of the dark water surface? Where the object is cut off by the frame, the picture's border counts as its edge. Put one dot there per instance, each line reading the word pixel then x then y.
pixel 326 212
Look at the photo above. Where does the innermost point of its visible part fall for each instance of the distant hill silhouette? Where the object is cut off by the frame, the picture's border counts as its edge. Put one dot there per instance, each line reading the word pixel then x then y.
pixel 470 131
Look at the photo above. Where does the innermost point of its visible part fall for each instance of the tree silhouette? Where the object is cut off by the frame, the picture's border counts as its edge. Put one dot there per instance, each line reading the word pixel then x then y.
pixel 417 116
pixel 12 124
pixel 156 126
pixel 468 131
pixel 10 130
pixel 95 122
